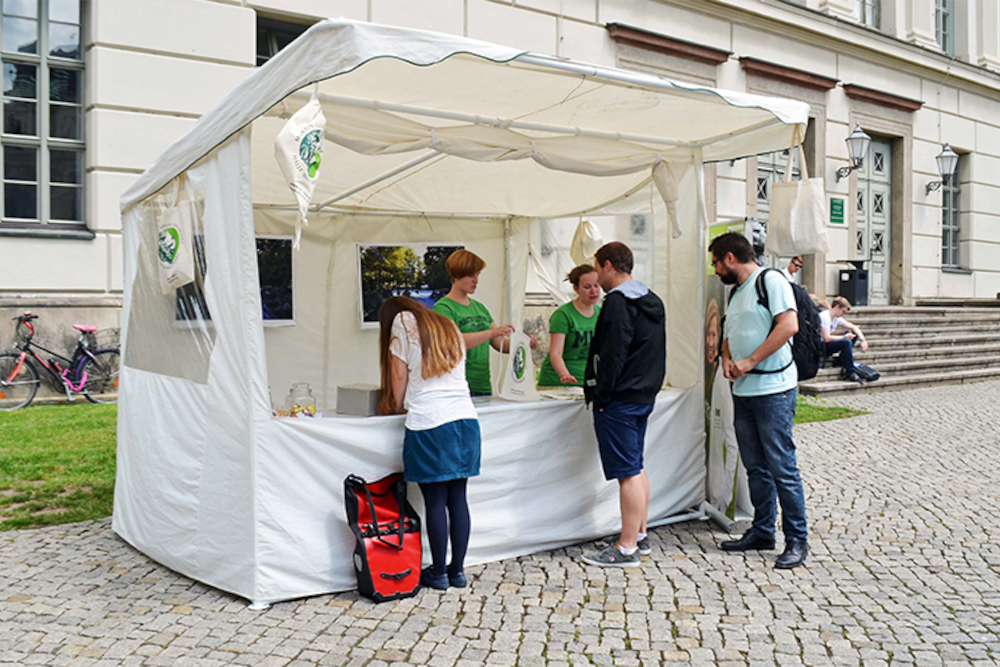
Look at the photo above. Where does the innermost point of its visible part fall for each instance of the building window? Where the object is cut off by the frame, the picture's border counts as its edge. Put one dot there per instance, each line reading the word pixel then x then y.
pixel 951 190
pixel 944 25
pixel 43 141
pixel 273 36
pixel 869 12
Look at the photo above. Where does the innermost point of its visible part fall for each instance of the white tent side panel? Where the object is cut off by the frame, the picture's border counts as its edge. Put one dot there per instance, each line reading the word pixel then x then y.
pixel 681 287
pixel 186 474
pixel 541 485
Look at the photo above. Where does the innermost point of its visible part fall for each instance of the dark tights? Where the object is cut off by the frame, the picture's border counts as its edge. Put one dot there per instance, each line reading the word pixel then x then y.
pixel 444 501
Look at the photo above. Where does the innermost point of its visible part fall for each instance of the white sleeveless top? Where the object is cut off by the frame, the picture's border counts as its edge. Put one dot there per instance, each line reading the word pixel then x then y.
pixel 434 401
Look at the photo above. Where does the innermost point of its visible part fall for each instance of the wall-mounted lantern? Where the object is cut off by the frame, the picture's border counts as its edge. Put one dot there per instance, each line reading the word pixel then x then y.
pixel 947 162
pixel 857 149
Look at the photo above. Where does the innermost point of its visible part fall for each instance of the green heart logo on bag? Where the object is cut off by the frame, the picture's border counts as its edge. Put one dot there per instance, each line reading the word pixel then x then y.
pixel 517 363
pixel 169 243
pixel 310 151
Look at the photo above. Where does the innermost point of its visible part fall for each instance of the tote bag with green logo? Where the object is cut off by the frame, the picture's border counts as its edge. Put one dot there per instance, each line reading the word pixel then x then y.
pixel 175 240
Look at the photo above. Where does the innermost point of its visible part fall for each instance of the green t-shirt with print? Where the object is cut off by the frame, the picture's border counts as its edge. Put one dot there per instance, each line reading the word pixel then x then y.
pixel 470 319
pixel 579 331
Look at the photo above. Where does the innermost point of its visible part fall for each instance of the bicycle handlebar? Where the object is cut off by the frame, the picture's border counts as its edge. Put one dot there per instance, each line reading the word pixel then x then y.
pixel 27 317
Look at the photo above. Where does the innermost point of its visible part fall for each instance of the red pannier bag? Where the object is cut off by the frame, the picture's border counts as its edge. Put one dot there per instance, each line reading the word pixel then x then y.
pixel 387 529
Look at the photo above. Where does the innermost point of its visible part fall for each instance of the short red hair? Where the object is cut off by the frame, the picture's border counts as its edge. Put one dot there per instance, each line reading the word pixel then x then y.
pixel 462 263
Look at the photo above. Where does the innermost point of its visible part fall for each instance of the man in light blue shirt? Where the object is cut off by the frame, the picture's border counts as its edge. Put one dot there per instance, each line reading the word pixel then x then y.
pixel 757 356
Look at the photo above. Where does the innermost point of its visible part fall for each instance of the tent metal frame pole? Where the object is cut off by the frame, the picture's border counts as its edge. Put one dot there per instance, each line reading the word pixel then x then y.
pixel 378 179
pixel 592 72
pixel 737 133
pixel 507 267
pixel 387 214
pixel 494 121
pixel 643 80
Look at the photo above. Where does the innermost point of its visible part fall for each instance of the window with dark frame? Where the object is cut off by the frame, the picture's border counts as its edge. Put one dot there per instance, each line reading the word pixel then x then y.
pixel 43 140
pixel 951 193
pixel 273 36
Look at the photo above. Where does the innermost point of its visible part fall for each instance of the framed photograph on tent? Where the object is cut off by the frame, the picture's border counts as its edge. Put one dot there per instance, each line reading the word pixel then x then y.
pixel 276 270
pixel 415 270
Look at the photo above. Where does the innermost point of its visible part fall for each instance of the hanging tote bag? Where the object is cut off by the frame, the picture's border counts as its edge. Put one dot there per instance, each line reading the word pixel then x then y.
pixel 797 225
pixel 298 149
pixel 175 239
pixel 517 381
pixel 386 528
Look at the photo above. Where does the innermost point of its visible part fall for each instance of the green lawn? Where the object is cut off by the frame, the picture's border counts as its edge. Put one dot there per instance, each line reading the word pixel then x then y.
pixel 57 464
pixel 819 410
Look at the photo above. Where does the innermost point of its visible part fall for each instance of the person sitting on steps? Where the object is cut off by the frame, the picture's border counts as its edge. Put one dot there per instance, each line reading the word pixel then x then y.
pixel 833 319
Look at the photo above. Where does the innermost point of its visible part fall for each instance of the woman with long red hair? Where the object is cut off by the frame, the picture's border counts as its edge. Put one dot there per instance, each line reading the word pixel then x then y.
pixel 423 361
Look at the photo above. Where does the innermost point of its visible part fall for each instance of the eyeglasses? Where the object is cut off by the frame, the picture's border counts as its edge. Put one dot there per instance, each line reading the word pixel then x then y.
pixel 797 265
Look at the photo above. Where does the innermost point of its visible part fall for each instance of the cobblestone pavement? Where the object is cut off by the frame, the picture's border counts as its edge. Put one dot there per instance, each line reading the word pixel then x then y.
pixel 905 568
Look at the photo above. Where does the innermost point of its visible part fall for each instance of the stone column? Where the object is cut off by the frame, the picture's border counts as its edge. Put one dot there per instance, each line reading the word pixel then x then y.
pixel 989 34
pixel 920 23
pixel 844 9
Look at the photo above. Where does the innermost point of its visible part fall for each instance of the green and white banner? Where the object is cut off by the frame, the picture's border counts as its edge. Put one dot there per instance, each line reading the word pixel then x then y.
pixel 727 493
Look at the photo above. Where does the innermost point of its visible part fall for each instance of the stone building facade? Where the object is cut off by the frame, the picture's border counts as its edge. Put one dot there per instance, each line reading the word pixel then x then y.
pixel 94 90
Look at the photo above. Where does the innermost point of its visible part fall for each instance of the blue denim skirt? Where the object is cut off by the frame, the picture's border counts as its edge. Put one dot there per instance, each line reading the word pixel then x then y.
pixel 448 451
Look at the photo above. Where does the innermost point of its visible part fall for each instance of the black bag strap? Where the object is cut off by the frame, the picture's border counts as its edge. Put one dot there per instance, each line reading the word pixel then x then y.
pixel 359 482
pixel 764 300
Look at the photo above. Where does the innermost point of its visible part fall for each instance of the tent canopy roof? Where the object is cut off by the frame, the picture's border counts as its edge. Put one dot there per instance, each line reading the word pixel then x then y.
pixel 442 81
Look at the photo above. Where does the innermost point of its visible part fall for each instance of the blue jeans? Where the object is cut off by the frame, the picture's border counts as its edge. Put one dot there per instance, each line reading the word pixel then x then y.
pixel 764 433
pixel 846 349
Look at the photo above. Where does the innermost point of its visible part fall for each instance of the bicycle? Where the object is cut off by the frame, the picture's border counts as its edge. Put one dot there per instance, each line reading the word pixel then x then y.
pixel 91 371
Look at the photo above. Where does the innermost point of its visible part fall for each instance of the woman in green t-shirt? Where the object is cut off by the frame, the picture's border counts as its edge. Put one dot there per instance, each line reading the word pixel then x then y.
pixel 571 328
pixel 473 319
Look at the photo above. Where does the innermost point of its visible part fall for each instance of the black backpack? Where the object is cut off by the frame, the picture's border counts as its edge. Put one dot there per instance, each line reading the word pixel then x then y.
pixel 807 344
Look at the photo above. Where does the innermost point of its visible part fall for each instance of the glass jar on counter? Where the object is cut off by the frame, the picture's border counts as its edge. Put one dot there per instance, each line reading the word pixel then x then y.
pixel 300 401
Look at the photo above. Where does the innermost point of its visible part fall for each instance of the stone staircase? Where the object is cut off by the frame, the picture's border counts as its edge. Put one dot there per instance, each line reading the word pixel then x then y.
pixel 917 347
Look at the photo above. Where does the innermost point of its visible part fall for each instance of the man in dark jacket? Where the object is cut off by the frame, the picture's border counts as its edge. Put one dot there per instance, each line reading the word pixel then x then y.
pixel 628 359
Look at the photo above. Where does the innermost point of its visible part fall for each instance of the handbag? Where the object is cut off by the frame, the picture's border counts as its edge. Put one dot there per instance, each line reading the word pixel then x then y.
pixel 386 528
pixel 797 224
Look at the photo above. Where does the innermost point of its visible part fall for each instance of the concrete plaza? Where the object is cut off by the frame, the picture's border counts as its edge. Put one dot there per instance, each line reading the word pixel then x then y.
pixel 904 515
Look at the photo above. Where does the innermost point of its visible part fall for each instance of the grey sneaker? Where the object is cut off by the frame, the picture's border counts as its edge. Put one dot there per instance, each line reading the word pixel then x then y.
pixel 611 556
pixel 645 548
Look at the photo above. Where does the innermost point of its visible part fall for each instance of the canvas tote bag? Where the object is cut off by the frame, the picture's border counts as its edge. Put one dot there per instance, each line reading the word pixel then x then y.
pixel 298 149
pixel 175 239
pixel 797 224
pixel 517 381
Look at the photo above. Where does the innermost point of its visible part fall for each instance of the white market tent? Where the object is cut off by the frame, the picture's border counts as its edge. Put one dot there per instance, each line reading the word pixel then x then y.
pixel 430 138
